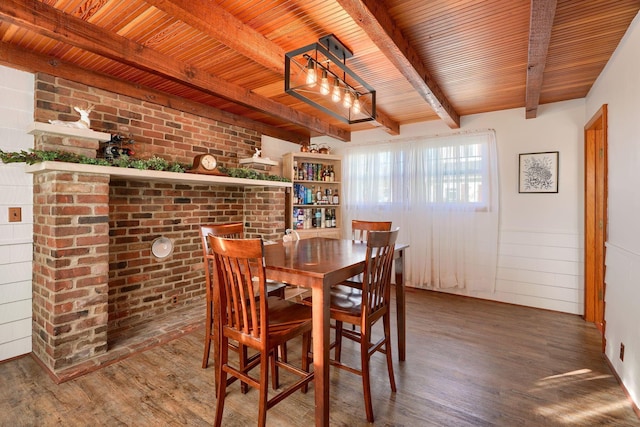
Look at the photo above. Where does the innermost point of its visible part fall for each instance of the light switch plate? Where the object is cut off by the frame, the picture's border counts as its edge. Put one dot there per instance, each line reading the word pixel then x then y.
pixel 15 214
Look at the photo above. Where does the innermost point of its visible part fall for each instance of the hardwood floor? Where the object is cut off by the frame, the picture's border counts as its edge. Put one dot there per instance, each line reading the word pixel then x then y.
pixel 469 363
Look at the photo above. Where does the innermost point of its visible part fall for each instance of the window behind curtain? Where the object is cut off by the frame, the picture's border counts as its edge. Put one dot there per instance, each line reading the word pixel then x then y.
pixel 442 193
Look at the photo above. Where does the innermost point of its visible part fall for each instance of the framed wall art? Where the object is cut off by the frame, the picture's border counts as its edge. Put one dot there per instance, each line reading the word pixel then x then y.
pixel 538 172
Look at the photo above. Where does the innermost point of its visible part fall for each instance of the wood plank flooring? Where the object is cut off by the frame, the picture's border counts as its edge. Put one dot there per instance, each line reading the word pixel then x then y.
pixel 469 363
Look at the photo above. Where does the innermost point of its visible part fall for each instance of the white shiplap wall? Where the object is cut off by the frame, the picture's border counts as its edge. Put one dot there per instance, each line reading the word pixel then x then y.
pixel 541 269
pixel 16 190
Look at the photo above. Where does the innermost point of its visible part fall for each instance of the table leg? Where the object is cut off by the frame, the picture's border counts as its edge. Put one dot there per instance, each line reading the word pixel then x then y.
pixel 320 307
pixel 401 307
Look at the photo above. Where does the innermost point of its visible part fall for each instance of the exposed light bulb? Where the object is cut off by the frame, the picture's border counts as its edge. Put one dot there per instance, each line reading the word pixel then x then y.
pixel 312 77
pixel 356 105
pixel 347 101
pixel 335 95
pixel 324 84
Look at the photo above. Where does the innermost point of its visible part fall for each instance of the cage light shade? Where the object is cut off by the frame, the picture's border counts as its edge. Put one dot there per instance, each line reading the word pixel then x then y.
pixel 327 58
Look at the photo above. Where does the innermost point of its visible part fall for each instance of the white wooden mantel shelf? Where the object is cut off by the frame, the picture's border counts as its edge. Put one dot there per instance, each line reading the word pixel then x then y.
pixel 151 175
pixel 258 161
pixel 39 128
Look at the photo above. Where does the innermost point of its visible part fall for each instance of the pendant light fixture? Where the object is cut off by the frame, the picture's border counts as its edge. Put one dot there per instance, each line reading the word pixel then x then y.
pixel 341 92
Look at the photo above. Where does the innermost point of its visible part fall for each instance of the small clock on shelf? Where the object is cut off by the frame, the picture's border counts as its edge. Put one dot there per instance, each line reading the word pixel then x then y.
pixel 205 164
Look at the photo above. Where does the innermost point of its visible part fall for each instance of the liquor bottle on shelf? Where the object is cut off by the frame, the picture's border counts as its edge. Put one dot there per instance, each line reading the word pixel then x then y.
pixel 298 219
pixel 336 198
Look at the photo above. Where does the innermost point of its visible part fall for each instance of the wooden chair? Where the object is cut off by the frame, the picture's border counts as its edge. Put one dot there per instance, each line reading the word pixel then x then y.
pixel 229 230
pixel 262 323
pixel 359 232
pixel 360 229
pixel 366 309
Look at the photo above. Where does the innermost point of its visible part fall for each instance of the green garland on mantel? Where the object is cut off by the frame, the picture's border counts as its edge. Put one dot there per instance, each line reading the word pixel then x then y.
pixel 154 163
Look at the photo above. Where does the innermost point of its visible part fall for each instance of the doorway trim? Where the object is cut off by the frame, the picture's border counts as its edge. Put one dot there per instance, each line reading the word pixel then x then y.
pixel 595 218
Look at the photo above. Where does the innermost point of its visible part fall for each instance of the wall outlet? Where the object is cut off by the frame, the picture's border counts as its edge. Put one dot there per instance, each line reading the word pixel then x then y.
pixel 15 214
pixel 622 352
pixel 174 299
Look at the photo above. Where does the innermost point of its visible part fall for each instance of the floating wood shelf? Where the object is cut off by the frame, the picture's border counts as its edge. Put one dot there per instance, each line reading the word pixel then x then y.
pixel 38 128
pixel 258 161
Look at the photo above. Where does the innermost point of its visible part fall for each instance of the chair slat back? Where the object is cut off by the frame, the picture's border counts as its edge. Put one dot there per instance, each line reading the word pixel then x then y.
pixel 237 261
pixel 230 230
pixel 360 229
pixel 376 283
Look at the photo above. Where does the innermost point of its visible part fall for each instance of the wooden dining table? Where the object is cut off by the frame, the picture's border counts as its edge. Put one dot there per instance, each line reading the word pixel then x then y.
pixel 319 263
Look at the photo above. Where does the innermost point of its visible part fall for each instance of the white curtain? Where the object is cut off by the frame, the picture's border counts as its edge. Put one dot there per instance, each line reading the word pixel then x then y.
pixel 443 194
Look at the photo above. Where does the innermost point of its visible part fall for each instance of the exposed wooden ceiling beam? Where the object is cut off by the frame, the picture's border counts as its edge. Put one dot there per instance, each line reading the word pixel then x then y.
pixel 243 39
pixel 50 22
pixel 542 14
pixel 381 28
pixel 27 61
pixel 212 19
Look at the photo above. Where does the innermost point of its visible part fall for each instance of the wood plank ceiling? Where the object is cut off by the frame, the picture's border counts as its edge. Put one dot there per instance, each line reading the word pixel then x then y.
pixel 435 60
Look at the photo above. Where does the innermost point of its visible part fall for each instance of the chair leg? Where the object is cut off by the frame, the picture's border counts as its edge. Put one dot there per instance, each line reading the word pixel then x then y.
pixel 221 375
pixel 264 387
pixel 207 339
pixel 306 350
pixel 366 380
pixel 387 347
pixel 243 356
pixel 338 350
pixel 275 378
pixel 282 352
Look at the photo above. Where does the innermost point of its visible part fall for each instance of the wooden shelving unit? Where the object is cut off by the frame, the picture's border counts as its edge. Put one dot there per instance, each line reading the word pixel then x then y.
pixel 311 217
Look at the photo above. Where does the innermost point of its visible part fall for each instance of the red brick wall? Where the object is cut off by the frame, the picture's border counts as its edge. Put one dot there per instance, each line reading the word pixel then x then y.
pixel 264 212
pixel 139 285
pixel 157 130
pixel 70 283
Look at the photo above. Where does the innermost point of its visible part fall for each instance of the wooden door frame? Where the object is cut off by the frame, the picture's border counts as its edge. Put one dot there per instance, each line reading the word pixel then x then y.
pixel 595 218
